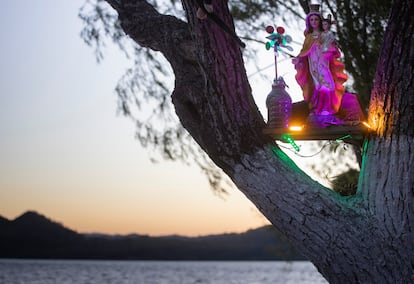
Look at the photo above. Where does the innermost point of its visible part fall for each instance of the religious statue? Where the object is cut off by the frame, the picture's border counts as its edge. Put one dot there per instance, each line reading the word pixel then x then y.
pixel 320 74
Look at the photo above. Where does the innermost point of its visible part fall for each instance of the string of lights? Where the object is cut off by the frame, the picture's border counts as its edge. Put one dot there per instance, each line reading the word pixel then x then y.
pixel 293 150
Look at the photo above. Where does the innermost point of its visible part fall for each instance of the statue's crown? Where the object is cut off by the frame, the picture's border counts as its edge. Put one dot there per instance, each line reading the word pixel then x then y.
pixel 314 8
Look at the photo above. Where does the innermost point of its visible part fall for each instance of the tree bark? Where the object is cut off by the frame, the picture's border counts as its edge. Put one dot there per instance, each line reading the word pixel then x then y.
pixel 366 238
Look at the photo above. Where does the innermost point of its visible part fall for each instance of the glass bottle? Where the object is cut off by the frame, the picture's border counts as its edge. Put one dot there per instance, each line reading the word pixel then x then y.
pixel 279 105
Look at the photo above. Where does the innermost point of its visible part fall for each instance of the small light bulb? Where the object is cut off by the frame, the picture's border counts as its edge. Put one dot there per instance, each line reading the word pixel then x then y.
pixel 295 128
pixel 366 124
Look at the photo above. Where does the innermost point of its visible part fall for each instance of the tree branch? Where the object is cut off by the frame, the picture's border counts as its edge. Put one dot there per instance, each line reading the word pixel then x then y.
pixel 165 33
pixel 116 4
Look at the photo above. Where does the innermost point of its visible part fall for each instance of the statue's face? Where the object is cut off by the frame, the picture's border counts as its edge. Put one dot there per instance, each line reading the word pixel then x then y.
pixel 326 26
pixel 314 21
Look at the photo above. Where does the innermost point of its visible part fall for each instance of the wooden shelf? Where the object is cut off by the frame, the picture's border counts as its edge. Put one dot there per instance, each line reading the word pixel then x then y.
pixel 342 132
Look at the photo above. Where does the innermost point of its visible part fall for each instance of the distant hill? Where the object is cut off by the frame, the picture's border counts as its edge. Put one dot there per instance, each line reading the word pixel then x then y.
pixel 32 225
pixel 32 235
pixel 3 221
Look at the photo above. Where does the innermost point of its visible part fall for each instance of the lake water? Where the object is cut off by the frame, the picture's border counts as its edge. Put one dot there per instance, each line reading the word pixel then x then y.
pixel 157 272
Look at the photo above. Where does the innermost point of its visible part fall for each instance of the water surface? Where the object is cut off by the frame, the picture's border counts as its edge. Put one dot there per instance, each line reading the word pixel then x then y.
pixel 14 271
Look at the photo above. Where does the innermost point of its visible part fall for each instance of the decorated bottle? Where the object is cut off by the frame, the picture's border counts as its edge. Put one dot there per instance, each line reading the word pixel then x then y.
pixel 279 105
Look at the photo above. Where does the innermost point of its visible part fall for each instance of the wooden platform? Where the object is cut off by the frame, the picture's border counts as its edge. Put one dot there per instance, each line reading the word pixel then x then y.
pixel 358 132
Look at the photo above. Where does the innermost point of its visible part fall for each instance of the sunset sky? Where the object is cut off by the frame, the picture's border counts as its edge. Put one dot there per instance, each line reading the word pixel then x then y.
pixel 64 151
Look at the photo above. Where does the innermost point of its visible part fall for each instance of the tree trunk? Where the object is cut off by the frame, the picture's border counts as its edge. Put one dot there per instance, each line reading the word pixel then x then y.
pixel 366 238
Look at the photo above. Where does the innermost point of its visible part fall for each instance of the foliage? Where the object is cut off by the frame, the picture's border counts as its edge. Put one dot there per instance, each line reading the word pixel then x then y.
pixel 360 31
pixel 346 183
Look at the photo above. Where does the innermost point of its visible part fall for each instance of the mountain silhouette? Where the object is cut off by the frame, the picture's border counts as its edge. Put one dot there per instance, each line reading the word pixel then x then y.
pixel 3 221
pixel 33 235
pixel 35 226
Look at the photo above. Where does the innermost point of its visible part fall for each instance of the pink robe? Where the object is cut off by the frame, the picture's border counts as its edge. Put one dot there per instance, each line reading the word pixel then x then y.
pixel 320 75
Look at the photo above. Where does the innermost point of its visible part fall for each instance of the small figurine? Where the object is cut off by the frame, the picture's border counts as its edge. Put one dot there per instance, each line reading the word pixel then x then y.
pixel 319 72
pixel 327 36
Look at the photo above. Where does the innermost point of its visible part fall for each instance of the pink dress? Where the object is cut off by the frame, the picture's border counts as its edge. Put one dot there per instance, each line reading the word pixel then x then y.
pixel 320 75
